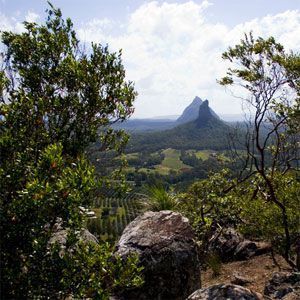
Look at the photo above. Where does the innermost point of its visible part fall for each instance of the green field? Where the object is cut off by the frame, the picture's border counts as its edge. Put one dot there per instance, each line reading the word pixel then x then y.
pixel 132 155
pixel 202 154
pixel 172 160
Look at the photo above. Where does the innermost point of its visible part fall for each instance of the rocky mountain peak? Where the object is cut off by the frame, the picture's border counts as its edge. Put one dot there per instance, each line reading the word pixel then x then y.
pixel 197 100
pixel 191 112
pixel 204 115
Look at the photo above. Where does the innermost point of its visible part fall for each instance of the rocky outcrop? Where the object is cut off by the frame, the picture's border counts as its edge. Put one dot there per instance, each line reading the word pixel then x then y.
pixel 224 292
pixel 164 242
pixel 230 245
pixel 283 286
pixel 60 235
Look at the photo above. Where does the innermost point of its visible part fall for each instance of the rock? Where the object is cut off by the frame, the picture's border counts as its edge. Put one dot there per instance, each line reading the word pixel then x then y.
pixel 164 242
pixel 87 237
pixel 240 280
pixel 245 250
pixel 60 235
pixel 224 243
pixel 225 292
pixel 263 248
pixel 60 238
pixel 230 245
pixel 283 285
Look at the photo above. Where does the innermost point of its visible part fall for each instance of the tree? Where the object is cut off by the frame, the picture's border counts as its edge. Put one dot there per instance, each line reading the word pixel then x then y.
pixel 55 99
pixel 207 203
pixel 271 80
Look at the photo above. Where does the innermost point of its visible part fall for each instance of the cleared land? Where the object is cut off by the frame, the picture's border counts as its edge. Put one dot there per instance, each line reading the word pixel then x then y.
pixel 172 160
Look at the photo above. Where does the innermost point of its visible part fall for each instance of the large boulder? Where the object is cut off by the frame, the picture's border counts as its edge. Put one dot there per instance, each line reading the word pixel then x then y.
pixel 164 242
pixel 283 285
pixel 224 292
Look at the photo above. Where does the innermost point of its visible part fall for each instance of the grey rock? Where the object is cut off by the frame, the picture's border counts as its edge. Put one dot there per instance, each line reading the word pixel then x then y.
pixel 225 292
pixel 224 242
pixel 245 250
pixel 87 237
pixel 164 242
pixel 283 285
pixel 60 236
pixel 230 245
pixel 191 112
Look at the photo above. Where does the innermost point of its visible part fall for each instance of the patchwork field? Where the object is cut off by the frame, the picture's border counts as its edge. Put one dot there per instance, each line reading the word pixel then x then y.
pixel 202 154
pixel 172 160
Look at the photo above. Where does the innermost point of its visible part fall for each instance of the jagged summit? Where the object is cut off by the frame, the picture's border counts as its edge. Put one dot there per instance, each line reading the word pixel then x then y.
pixel 205 114
pixel 191 112
pixel 197 100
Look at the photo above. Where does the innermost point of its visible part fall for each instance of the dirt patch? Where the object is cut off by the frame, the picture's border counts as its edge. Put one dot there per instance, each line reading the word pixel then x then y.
pixel 258 269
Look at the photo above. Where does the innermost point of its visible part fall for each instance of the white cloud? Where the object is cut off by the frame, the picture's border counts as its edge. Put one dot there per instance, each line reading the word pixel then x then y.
pixel 173 53
pixel 13 23
pixel 31 17
pixel 169 51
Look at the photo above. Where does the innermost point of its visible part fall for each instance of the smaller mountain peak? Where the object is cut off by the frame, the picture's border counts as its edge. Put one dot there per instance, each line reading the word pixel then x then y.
pixel 205 103
pixel 191 112
pixel 204 115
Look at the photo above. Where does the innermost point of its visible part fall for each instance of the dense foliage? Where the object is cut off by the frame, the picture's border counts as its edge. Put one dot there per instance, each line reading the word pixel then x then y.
pixel 54 99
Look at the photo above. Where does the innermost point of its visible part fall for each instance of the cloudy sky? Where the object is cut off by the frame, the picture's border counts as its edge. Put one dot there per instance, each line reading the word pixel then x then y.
pixel 171 49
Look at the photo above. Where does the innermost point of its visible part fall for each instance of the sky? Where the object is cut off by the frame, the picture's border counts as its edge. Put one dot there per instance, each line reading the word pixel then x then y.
pixel 171 49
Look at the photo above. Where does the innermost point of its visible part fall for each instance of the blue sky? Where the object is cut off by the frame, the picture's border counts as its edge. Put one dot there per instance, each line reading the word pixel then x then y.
pixel 171 49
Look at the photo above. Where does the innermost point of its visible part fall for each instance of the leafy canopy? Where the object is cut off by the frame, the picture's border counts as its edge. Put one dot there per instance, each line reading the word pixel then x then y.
pixel 55 99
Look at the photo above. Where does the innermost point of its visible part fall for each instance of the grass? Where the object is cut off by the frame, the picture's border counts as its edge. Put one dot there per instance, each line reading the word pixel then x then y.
pixel 204 154
pixel 132 155
pixel 162 169
pixel 172 159
pixel 159 199
pixel 170 162
pixel 97 212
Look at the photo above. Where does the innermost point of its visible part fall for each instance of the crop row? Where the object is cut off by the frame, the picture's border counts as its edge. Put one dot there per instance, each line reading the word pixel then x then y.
pixel 113 214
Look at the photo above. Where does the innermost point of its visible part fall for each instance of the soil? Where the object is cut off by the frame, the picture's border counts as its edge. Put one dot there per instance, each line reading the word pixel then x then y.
pixel 258 270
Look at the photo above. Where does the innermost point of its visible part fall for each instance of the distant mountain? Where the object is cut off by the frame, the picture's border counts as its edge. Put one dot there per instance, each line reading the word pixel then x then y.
pixel 191 112
pixel 233 117
pixel 207 131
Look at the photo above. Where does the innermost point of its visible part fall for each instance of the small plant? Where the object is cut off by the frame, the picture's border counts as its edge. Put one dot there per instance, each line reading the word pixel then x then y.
pixel 215 264
pixel 157 198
